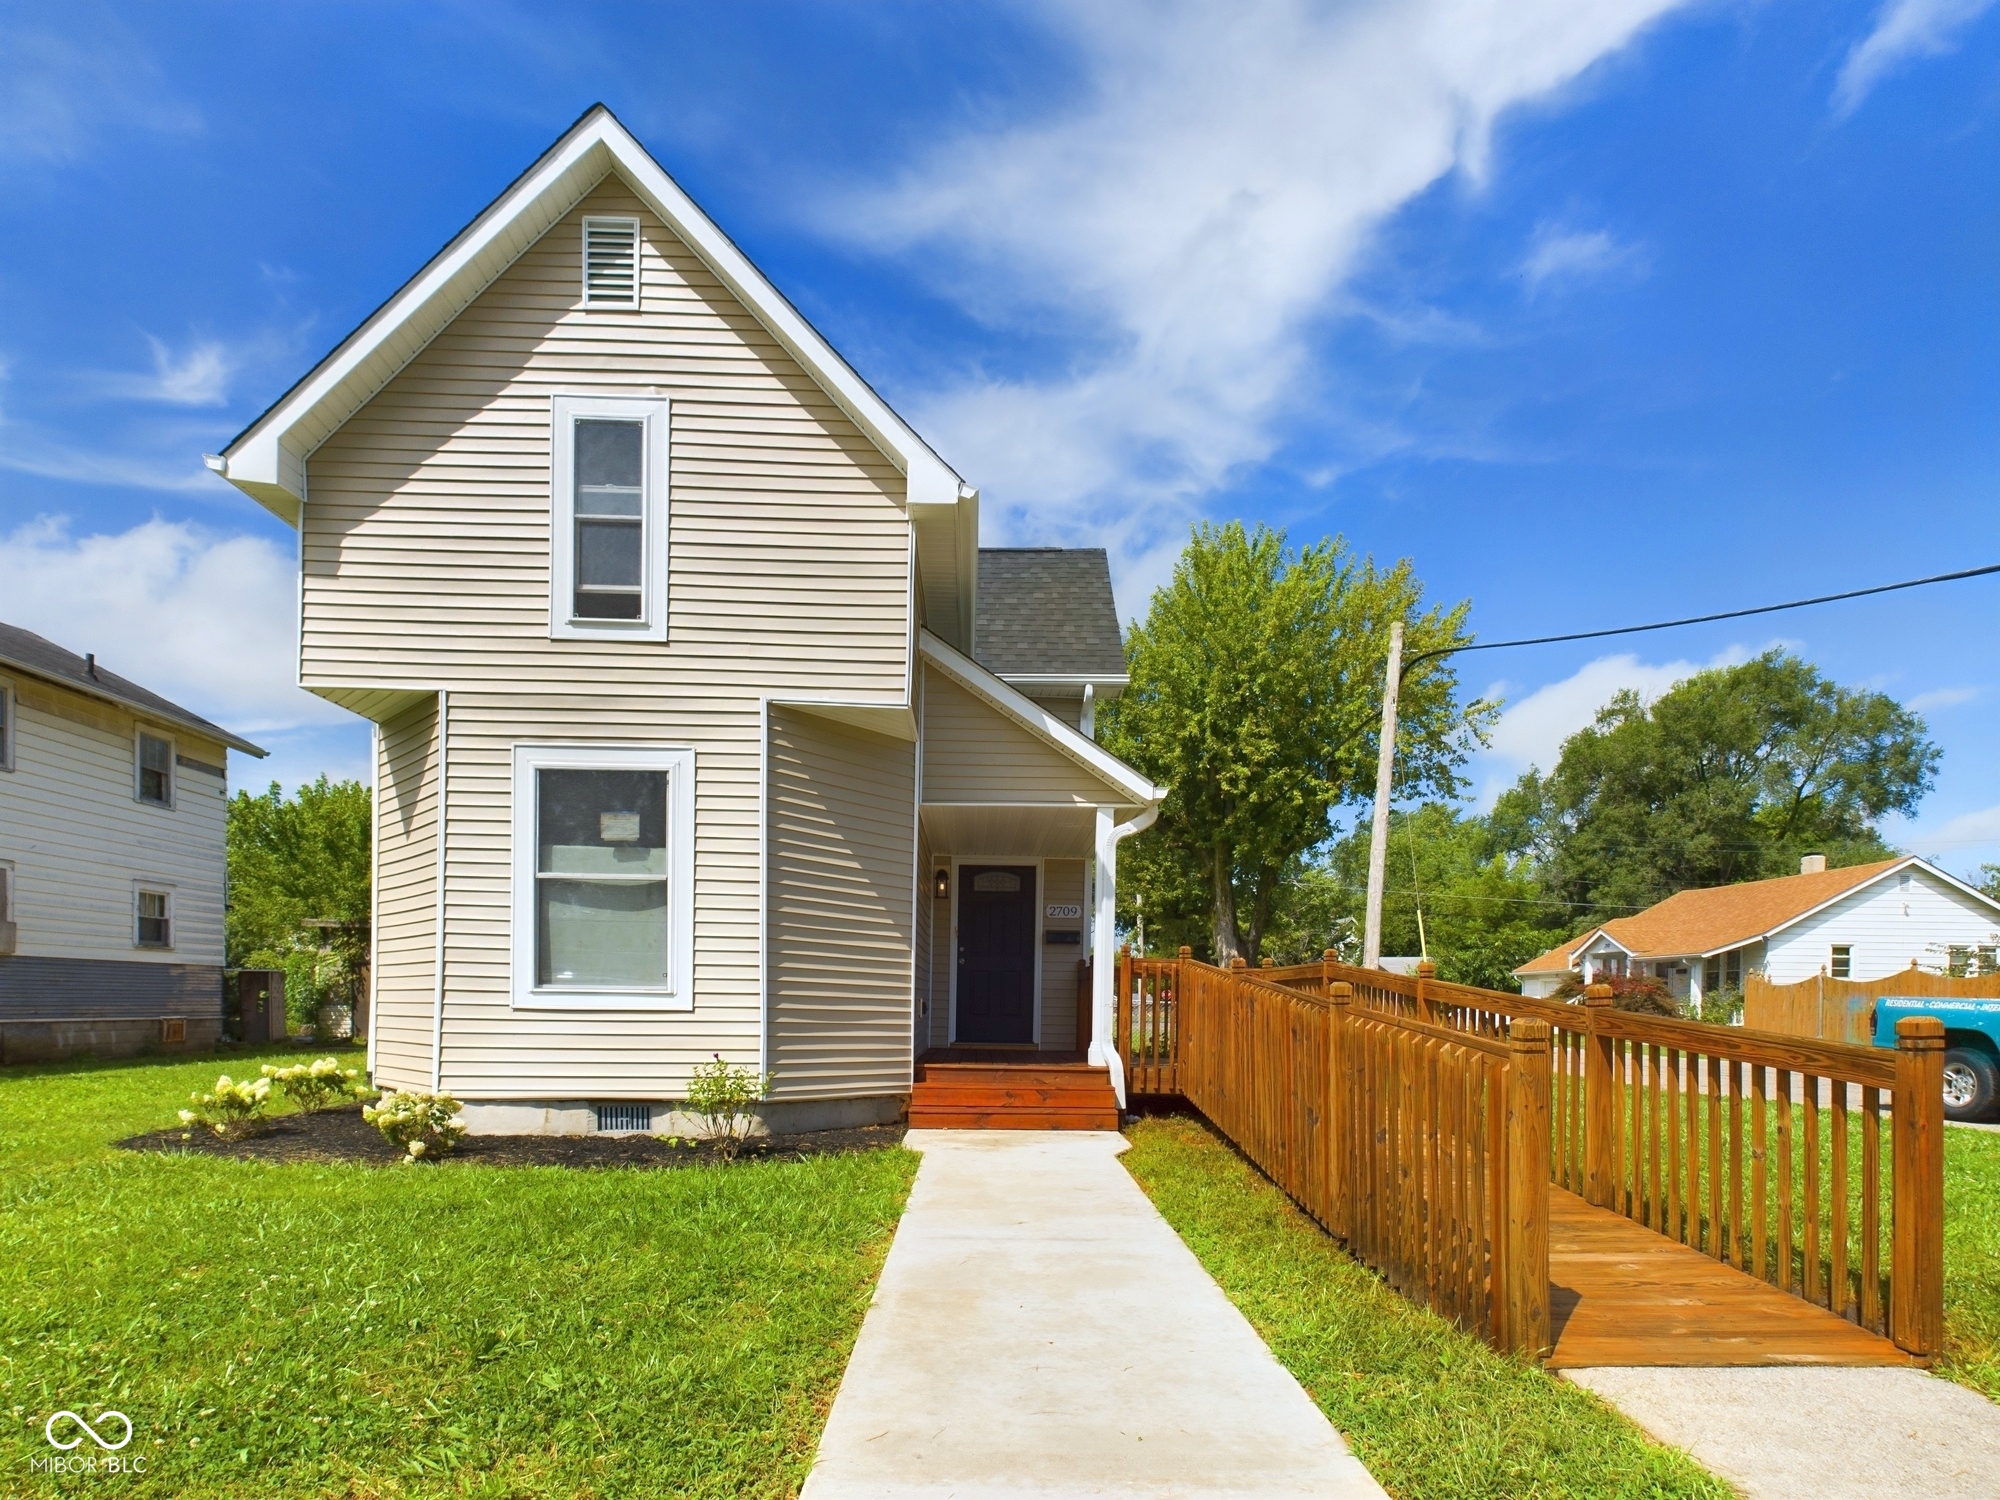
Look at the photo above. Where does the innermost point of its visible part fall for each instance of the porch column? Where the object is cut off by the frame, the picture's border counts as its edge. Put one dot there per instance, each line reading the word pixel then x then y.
pixel 1104 954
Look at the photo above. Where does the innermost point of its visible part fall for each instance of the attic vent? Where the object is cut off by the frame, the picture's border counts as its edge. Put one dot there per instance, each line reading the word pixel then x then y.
pixel 610 262
pixel 624 1117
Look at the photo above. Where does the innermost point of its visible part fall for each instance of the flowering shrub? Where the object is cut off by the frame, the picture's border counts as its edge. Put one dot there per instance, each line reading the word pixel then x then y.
pixel 230 1109
pixel 721 1095
pixel 424 1125
pixel 319 1085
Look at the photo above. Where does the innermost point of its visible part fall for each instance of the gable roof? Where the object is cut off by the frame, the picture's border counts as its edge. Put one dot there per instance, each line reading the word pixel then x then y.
pixel 25 651
pixel 1047 615
pixel 1038 721
pixel 1718 918
pixel 267 460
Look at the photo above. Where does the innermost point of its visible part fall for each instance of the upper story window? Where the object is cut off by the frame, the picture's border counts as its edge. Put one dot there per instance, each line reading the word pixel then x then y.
pixel 608 518
pixel 156 770
pixel 603 877
pixel 6 727
pixel 611 262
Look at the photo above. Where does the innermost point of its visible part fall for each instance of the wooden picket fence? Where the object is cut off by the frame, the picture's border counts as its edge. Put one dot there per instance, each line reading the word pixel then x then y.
pixel 1843 1010
pixel 1403 1114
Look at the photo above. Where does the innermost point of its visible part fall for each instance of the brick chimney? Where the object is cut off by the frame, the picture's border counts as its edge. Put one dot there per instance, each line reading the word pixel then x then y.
pixel 1812 864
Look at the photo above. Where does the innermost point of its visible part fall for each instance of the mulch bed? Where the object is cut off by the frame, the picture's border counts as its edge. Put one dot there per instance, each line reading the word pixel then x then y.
pixel 342 1135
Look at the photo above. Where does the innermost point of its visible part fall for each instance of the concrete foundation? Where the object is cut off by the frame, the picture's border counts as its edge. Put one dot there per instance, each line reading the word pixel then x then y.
pixel 58 1038
pixel 579 1116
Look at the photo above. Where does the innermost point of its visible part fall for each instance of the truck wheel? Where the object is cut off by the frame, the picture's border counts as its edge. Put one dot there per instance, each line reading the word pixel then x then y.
pixel 1970 1082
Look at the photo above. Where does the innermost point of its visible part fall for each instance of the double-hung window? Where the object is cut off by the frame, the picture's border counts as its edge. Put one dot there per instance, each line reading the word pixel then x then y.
pixel 6 725
pixel 608 518
pixel 154 918
pixel 155 769
pixel 603 877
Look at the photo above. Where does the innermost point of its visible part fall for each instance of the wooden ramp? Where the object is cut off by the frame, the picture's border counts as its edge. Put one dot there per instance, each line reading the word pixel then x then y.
pixel 1622 1295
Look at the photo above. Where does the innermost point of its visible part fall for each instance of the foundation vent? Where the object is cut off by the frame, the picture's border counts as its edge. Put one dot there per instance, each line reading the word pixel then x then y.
pixel 624 1117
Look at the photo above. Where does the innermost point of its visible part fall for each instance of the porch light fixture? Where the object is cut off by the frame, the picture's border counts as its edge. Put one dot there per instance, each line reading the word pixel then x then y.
pixel 941 886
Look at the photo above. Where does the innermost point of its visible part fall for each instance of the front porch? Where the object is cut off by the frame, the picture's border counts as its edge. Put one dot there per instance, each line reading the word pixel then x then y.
pixel 1011 1088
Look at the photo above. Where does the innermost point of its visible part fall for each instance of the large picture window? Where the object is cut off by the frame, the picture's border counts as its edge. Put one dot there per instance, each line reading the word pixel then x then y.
pixel 608 518
pixel 603 874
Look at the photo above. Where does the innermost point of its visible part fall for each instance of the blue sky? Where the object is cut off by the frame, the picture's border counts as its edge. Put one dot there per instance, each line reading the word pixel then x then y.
pixel 1600 310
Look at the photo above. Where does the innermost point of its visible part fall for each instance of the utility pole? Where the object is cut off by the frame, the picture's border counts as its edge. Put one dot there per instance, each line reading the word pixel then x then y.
pixel 1385 770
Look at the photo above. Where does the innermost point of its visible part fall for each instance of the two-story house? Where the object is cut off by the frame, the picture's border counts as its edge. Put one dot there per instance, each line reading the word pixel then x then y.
pixel 112 809
pixel 702 723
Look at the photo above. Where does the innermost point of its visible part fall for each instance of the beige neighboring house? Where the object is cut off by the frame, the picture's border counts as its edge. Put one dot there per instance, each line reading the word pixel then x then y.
pixel 112 808
pixel 703 725
pixel 1861 922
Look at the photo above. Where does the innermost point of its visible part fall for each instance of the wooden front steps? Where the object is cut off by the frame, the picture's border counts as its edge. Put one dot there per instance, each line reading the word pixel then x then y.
pixel 971 1089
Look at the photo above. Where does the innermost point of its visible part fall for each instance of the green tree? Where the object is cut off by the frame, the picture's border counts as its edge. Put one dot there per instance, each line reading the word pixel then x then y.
pixel 1730 775
pixel 294 861
pixel 1255 697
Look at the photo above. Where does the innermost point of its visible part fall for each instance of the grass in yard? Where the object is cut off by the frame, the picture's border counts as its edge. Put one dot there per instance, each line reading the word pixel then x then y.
pixel 1972 1259
pixel 1432 1412
pixel 452 1330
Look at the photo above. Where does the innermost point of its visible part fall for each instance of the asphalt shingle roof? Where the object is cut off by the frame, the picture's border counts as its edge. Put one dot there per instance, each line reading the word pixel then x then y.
pixel 28 652
pixel 1047 611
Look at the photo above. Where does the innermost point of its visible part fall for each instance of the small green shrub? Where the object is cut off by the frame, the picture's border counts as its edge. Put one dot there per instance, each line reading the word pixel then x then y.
pixel 722 1096
pixel 424 1125
pixel 1722 1007
pixel 318 1085
pixel 230 1109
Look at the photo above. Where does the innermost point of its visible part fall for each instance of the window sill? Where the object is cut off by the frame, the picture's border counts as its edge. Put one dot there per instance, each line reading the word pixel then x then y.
pixel 599 1000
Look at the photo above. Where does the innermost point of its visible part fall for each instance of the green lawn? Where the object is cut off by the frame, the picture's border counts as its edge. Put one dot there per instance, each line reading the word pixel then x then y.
pixel 1972 1259
pixel 1432 1412
pixel 439 1330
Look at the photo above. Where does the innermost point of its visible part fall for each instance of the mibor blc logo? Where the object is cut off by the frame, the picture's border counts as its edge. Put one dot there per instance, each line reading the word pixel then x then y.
pixel 66 1431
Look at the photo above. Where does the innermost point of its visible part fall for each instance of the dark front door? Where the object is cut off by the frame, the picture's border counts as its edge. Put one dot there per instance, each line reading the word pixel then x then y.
pixel 996 953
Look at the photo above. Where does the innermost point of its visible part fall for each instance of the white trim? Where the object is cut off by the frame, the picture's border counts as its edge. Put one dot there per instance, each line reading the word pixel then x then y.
pixel 764 887
pixel 919 876
pixel 1039 721
pixel 611 304
pixel 564 413
pixel 437 957
pixel 267 460
pixel 142 886
pixel 1009 861
pixel 141 732
pixel 678 763
pixel 374 887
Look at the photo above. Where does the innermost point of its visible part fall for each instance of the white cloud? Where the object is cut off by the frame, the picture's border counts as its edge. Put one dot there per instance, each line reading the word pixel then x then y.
pixel 58 94
pixel 1186 221
pixel 200 377
pixel 1556 254
pixel 203 618
pixel 1532 729
pixel 1904 29
pixel 1942 698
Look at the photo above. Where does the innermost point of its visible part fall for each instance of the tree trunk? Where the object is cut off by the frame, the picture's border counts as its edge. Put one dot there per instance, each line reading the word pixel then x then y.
pixel 1228 947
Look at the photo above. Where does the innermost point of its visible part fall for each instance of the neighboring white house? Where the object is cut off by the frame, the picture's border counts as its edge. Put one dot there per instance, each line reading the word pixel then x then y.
pixel 703 723
pixel 112 806
pixel 1861 922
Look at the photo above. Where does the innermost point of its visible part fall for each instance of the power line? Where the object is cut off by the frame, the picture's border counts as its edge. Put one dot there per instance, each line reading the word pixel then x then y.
pixel 1728 614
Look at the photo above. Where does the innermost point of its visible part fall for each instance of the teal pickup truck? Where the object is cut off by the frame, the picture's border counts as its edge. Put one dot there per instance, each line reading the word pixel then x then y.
pixel 1972 1047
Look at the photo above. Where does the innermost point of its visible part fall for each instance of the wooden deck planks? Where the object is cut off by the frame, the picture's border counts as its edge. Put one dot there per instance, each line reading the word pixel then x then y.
pixel 1623 1295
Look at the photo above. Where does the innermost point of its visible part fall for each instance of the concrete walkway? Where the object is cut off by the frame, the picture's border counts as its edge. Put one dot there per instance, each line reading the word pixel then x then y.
pixel 1040 1331
pixel 1817 1433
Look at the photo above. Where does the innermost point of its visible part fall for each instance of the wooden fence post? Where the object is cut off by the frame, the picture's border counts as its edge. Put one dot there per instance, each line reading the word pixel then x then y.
pixel 1339 1109
pixel 1527 1157
pixel 1121 1011
pixel 1426 972
pixel 1916 1275
pixel 1600 1103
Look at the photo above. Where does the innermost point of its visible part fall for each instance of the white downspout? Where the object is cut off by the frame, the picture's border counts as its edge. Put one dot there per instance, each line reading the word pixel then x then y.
pixel 1104 942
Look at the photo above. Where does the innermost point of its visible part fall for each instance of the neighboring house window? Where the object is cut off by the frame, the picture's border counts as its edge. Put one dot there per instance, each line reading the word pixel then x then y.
pixel 1843 961
pixel 6 893
pixel 156 919
pixel 603 878
pixel 1989 960
pixel 608 518
pixel 6 730
pixel 611 263
pixel 156 770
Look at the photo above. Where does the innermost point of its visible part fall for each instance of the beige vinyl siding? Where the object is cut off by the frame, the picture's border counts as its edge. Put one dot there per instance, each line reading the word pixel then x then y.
pixel 426 559
pixel 921 948
pixel 1062 882
pixel 973 753
pixel 406 783
pixel 78 837
pixel 1069 710
pixel 840 841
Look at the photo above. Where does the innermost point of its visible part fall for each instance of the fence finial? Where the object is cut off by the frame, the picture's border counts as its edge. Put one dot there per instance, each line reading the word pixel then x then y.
pixel 1597 994
pixel 1238 963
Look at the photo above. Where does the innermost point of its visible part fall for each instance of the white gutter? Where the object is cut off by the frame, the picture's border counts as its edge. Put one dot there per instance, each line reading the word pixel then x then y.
pixel 1104 942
